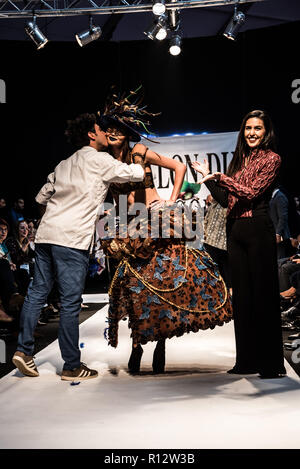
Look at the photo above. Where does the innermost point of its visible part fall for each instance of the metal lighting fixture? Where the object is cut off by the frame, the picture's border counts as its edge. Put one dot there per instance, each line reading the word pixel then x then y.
pixel 89 35
pixel 173 17
pixel 235 24
pixel 35 33
pixel 158 7
pixel 158 30
pixel 175 45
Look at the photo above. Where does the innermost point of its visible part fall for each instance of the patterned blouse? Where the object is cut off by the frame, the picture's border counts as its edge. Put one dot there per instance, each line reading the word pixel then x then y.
pixel 249 189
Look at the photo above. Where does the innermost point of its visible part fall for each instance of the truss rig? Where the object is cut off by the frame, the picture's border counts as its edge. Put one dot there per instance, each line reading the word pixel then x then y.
pixel 60 8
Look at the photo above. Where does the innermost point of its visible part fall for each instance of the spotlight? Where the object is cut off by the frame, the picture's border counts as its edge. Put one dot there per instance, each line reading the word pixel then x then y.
pixel 35 33
pixel 161 34
pixel 89 35
pixel 158 29
pixel 158 7
pixel 175 45
pixel 234 25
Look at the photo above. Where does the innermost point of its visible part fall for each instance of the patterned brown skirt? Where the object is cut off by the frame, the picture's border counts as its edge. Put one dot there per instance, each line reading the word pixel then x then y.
pixel 167 290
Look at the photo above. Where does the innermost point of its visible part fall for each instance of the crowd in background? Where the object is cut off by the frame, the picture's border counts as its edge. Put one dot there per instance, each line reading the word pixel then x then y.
pixel 17 251
pixel 17 233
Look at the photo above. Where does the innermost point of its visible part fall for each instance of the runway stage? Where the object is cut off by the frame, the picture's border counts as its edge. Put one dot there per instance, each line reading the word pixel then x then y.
pixel 196 404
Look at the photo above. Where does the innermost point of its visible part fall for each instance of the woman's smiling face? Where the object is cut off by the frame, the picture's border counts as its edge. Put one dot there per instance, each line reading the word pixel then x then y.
pixel 254 132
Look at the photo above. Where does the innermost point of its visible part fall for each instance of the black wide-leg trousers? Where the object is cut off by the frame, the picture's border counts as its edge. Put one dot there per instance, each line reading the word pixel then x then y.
pixel 256 302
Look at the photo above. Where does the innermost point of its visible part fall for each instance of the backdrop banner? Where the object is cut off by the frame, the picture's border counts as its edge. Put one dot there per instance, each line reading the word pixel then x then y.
pixel 217 148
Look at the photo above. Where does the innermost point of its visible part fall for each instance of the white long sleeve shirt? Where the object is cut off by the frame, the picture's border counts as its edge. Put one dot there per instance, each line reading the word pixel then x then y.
pixel 74 193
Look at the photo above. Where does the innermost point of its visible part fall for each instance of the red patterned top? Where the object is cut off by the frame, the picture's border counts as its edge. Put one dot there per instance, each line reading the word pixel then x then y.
pixel 250 182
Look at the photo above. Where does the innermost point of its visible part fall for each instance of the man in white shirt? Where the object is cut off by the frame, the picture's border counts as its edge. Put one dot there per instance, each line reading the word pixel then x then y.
pixel 72 198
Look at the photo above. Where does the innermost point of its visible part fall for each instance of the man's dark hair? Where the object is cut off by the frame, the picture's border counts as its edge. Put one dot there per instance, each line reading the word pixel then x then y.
pixel 78 128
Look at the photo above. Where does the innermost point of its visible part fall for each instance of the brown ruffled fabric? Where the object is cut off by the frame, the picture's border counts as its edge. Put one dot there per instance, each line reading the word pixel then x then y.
pixel 165 288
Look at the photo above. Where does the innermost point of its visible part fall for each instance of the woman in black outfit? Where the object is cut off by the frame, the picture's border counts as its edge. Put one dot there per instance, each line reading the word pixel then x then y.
pixel 246 190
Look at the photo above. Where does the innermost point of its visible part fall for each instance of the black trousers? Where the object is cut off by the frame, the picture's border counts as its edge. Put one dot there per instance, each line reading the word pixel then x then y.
pixel 221 258
pixel 256 302
pixel 295 281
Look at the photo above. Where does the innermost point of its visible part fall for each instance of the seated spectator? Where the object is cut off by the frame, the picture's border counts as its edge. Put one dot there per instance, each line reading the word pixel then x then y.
pixel 4 209
pixel 11 299
pixel 291 247
pixel 17 212
pixel 290 277
pixel 32 227
pixel 22 256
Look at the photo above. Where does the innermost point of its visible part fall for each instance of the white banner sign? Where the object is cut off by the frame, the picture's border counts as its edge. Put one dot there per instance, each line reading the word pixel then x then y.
pixel 216 148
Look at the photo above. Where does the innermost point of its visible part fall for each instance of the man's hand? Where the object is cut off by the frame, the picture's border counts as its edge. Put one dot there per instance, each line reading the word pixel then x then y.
pixel 12 266
pixel 211 177
pixel 297 261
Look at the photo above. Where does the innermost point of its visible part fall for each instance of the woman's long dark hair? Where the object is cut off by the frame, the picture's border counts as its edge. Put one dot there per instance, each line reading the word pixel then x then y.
pixel 242 149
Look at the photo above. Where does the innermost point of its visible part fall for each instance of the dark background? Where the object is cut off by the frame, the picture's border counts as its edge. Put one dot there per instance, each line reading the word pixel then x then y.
pixel 209 87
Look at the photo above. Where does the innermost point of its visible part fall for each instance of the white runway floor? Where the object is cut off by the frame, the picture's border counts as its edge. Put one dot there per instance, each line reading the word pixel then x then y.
pixel 196 404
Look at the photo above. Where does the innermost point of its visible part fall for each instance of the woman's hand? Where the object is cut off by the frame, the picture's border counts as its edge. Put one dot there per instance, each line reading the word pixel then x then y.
pixel 202 168
pixel 211 177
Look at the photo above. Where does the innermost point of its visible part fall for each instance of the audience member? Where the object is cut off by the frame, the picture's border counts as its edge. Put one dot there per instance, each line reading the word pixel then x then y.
pixel 22 256
pixel 279 213
pixel 32 227
pixel 11 299
pixel 289 276
pixel 17 212
pixel 4 215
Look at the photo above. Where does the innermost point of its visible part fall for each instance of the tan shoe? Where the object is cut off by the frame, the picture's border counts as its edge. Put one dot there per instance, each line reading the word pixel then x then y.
pixel 288 294
pixel 25 364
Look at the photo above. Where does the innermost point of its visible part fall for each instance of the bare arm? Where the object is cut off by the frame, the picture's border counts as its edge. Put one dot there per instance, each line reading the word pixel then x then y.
pixel 152 157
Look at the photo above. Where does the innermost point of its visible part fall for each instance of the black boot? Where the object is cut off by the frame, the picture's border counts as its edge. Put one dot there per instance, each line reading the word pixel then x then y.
pixel 135 359
pixel 159 358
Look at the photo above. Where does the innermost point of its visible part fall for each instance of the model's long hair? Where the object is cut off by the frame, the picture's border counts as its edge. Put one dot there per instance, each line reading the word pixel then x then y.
pixel 242 149
pixel 127 152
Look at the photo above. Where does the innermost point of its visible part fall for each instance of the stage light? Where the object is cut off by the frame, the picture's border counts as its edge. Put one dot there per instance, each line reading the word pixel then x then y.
pixel 158 7
pixel 161 34
pixel 89 35
pixel 35 34
pixel 158 29
pixel 235 24
pixel 175 45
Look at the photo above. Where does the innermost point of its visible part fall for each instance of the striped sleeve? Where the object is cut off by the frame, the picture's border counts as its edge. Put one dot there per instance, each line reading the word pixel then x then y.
pixel 265 172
